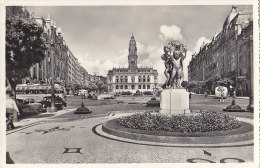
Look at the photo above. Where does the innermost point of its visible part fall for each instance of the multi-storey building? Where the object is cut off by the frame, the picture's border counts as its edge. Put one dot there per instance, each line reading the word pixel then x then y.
pixel 67 68
pixel 227 56
pixel 132 78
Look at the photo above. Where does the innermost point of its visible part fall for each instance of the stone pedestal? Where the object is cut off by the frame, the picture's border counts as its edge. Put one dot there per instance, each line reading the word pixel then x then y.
pixel 174 101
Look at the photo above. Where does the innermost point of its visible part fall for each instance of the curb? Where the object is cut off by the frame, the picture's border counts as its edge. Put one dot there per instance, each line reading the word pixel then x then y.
pixel 231 140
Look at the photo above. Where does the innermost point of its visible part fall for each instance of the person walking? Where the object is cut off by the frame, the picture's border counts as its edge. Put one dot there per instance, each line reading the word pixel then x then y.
pixel 206 94
pixel 11 111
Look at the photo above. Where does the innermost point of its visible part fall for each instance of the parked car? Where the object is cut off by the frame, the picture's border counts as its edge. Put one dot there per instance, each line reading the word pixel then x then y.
pixel 117 94
pixel 138 93
pixel 28 106
pixel 147 93
pixel 59 103
pixel 126 93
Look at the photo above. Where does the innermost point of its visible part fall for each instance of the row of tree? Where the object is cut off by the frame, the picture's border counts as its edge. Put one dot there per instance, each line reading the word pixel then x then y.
pixel 96 86
pixel 210 84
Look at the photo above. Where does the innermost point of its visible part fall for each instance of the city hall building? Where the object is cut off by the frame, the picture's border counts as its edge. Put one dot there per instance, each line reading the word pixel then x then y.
pixel 132 78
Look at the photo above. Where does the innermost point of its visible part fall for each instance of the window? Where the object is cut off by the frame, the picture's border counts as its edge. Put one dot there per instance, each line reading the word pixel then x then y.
pixel 133 87
pixel 139 87
pixel 143 78
pixel 117 87
pixel 126 87
pixel 121 87
pixel 133 79
pixel 144 87
pixel 139 78
pixel 148 86
pixel 117 80
pixel 126 80
pixel 148 78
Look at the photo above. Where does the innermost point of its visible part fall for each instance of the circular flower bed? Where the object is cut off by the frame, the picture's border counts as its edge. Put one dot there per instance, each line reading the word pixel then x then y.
pixel 202 122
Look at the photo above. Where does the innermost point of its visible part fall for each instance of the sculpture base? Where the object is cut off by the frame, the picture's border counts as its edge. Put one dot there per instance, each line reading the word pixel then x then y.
pixel 174 101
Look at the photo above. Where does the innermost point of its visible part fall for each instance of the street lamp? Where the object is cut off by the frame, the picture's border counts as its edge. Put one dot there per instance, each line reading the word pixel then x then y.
pixel 250 107
pixel 52 45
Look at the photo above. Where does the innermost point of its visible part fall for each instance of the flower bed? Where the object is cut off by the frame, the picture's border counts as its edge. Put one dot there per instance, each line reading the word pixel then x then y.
pixel 202 122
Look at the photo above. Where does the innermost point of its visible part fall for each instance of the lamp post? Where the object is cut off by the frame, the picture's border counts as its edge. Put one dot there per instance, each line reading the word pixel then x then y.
pixel 52 108
pixel 52 45
pixel 250 107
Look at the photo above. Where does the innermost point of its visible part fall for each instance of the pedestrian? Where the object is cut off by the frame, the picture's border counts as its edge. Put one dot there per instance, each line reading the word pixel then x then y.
pixel 222 96
pixel 234 94
pixel 206 94
pixel 11 111
pixel 190 95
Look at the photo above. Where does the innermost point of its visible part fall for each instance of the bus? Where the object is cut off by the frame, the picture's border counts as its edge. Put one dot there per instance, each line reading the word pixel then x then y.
pixel 83 92
pixel 221 90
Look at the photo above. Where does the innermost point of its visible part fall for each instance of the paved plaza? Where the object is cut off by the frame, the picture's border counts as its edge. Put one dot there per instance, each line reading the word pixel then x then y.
pixel 68 138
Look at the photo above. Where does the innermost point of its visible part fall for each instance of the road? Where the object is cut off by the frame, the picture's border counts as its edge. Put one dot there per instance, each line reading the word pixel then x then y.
pixel 59 140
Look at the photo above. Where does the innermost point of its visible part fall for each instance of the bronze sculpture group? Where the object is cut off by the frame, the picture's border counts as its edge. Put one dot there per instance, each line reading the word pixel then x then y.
pixel 174 54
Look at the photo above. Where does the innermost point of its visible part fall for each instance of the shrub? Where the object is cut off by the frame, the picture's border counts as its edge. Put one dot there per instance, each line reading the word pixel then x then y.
pixel 147 93
pixel 153 98
pixel 203 122
pixel 153 103
pixel 126 93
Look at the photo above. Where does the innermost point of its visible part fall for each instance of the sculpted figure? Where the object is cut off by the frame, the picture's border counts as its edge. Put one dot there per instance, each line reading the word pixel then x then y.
pixel 168 65
pixel 174 54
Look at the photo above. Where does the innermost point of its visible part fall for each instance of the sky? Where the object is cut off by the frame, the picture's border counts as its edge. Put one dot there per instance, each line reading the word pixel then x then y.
pixel 99 35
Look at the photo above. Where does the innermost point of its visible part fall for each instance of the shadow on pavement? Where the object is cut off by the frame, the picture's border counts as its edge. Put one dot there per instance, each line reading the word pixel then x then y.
pixel 9 159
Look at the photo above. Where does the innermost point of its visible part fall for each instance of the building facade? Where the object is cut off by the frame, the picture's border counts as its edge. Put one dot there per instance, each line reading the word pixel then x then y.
pixel 132 78
pixel 67 69
pixel 226 59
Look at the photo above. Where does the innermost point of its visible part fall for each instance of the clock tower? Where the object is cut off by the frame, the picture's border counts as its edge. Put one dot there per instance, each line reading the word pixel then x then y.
pixel 132 56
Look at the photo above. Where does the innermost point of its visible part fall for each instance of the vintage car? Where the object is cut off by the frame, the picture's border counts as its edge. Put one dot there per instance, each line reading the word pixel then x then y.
pixel 59 103
pixel 28 106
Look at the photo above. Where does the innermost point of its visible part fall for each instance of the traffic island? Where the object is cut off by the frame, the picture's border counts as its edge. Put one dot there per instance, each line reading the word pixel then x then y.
pixel 234 108
pixel 243 133
pixel 82 110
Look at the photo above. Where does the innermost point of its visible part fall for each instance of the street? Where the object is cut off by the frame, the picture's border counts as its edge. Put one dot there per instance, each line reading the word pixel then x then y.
pixel 71 138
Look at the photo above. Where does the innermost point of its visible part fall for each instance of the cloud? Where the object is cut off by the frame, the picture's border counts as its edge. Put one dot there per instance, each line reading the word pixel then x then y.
pixel 168 33
pixel 104 65
pixel 199 43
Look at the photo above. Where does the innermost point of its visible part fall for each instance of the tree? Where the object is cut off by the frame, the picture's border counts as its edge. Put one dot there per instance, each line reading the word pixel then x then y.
pixel 25 46
pixel 185 84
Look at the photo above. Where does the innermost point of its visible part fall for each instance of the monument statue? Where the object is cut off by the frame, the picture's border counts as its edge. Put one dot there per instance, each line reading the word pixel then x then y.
pixel 174 54
pixel 174 99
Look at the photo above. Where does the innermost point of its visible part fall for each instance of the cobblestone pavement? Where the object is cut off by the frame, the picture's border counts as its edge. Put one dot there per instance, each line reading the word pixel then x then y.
pixel 75 142
pixel 53 140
